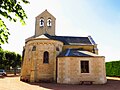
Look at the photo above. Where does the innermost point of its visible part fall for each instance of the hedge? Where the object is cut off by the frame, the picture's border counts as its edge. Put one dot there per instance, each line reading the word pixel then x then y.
pixel 113 68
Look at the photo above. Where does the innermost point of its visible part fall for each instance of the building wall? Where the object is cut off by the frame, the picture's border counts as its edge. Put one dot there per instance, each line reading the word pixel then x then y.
pixel 33 67
pixel 89 48
pixel 69 70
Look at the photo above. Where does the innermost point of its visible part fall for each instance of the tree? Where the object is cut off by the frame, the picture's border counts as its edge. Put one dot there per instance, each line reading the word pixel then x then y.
pixel 2 58
pixel 12 10
pixel 10 59
pixel 16 62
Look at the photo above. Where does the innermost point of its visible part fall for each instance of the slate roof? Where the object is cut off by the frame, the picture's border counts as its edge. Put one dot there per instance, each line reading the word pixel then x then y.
pixel 70 40
pixel 76 52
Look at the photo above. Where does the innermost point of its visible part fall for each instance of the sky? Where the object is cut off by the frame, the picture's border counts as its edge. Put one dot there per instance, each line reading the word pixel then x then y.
pixel 97 18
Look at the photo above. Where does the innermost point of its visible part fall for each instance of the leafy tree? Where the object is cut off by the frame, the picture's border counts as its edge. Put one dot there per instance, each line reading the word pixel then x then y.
pixel 10 59
pixel 2 58
pixel 12 10
pixel 16 62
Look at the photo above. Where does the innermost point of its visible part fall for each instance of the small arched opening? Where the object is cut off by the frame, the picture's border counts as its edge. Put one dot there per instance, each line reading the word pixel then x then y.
pixel 49 22
pixel 41 22
pixel 46 57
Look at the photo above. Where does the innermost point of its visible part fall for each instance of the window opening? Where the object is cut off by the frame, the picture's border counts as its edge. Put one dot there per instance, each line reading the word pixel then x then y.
pixel 34 48
pixel 46 57
pixel 84 66
pixel 41 22
pixel 49 22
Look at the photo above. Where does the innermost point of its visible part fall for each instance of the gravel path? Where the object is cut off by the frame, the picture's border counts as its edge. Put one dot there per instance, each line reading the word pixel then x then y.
pixel 13 83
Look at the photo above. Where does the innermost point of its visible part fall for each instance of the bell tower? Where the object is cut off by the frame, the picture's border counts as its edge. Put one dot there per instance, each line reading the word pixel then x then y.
pixel 45 24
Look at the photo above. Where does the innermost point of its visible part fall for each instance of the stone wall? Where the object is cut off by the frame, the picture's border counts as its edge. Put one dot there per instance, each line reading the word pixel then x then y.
pixel 69 70
pixel 33 67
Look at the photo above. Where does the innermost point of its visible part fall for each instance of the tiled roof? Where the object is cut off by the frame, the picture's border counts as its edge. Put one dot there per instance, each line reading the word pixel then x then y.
pixel 69 40
pixel 76 52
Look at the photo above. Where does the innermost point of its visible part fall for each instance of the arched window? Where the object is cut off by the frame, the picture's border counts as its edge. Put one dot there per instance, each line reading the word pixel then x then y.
pixel 46 57
pixel 41 22
pixel 34 48
pixel 57 48
pixel 49 22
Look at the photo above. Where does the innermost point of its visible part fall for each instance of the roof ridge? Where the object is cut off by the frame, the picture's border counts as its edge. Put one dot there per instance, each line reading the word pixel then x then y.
pixel 72 36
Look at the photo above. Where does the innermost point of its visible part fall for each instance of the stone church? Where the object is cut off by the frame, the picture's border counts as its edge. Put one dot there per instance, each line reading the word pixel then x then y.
pixel 60 59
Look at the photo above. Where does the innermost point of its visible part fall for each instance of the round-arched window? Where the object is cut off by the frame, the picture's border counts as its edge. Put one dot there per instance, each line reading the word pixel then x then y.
pixel 34 48
pixel 41 22
pixel 46 57
pixel 49 22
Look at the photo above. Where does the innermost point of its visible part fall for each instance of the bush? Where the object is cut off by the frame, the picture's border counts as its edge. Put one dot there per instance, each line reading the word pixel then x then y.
pixel 113 68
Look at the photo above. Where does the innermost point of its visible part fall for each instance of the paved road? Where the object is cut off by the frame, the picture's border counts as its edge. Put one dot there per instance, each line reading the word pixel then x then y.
pixel 13 83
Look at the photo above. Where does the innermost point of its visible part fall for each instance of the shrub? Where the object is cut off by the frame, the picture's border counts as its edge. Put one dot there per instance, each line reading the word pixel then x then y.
pixel 113 68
